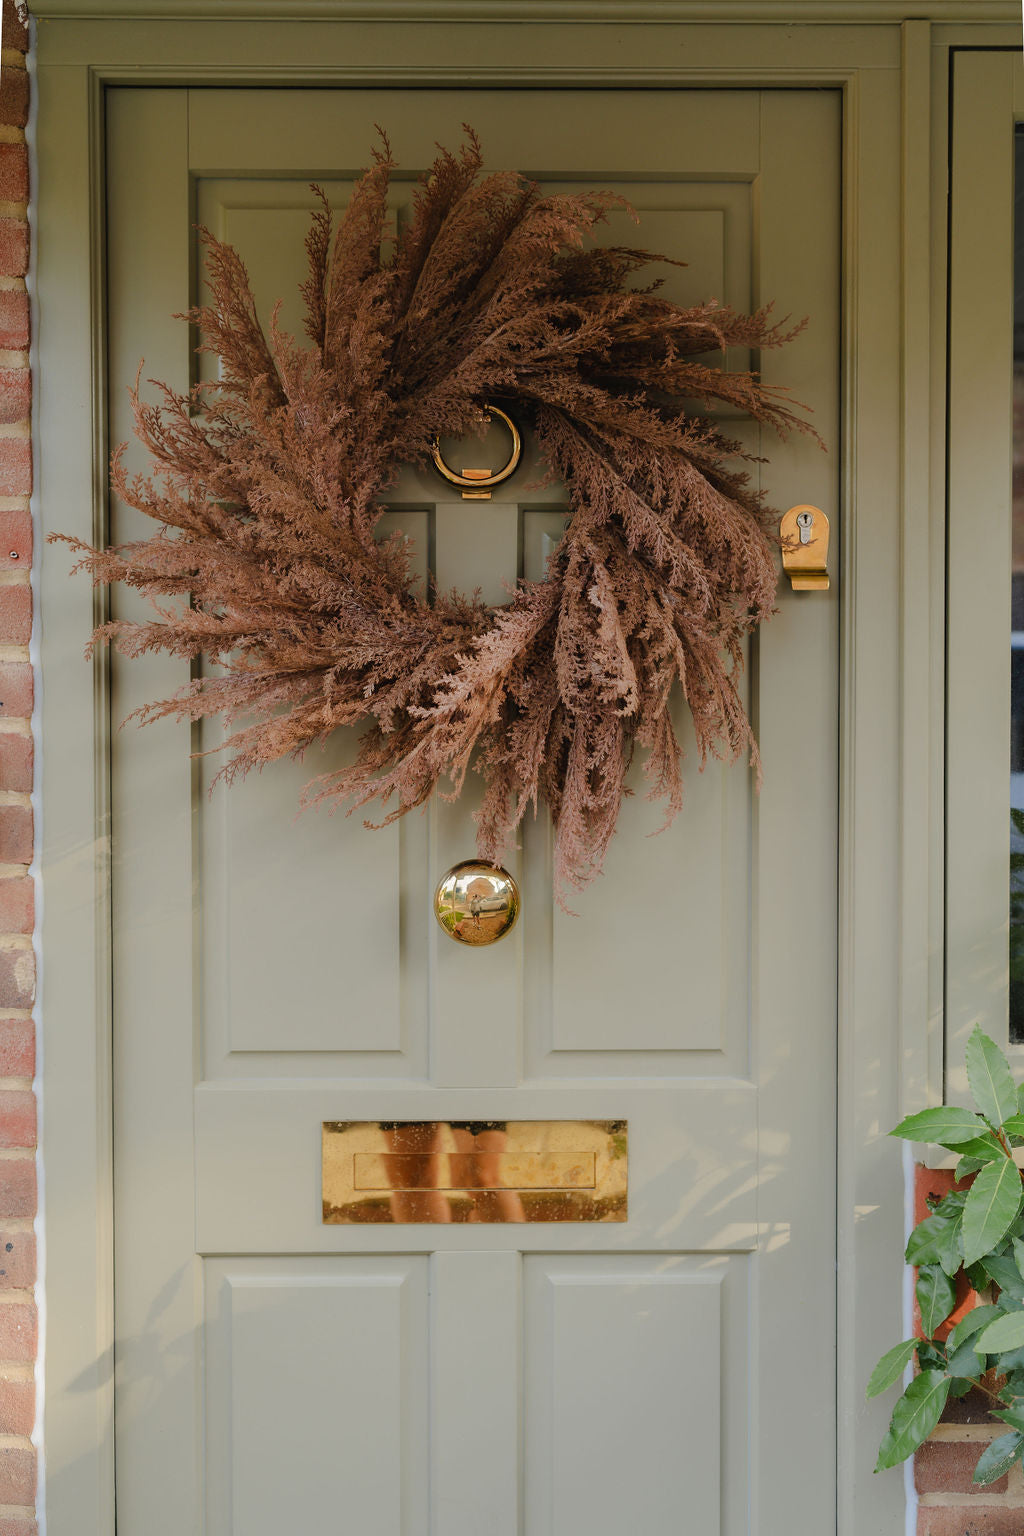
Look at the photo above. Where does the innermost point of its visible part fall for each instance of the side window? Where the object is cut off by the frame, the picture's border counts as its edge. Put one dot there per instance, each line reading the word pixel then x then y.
pixel 1016 943
pixel 984 888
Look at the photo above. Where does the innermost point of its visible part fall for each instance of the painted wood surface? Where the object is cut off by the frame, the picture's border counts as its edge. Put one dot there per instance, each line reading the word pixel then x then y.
pixel 271 974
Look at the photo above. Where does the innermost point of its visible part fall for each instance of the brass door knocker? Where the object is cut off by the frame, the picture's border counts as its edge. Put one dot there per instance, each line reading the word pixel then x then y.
pixel 476 483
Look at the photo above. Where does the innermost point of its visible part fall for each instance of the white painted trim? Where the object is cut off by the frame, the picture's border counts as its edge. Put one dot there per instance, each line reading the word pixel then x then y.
pixel 921 818
pixel 78 1425
pixel 39 1224
pixel 869 1177
pixel 540 12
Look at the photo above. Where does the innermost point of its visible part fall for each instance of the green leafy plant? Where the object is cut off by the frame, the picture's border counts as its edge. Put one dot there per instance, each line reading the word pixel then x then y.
pixel 979 1230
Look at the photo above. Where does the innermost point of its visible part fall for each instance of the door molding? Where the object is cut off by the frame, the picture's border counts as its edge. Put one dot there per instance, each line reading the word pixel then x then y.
pixel 786 12
pixel 889 861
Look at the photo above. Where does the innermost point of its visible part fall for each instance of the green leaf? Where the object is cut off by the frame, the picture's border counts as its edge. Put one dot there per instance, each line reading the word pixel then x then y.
pixel 977 1318
pixel 951 1204
pixel 977 1274
pixel 980 1149
pixel 993 1205
pixel 1007 1332
pixel 1013 1416
pixel 936 1294
pixel 960 1386
pixel 891 1367
pixel 936 1241
pixel 988 1072
pixel 997 1459
pixel 914 1417
pixel 965 1361
pixel 1006 1275
pixel 1013 1125
pixel 1020 1098
pixel 946 1124
pixel 928 1357
pixel 1018 1254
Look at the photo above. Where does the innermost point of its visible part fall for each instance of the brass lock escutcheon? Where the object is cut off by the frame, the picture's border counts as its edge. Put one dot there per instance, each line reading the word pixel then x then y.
pixel 476 483
pixel 804 531
pixel 476 903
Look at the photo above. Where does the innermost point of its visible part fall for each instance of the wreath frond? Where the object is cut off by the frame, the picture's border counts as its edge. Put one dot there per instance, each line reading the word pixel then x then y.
pixel 269 484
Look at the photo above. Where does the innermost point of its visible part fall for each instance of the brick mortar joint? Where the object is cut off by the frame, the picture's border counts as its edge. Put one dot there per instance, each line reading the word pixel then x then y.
pixel 976 1501
pixel 964 1434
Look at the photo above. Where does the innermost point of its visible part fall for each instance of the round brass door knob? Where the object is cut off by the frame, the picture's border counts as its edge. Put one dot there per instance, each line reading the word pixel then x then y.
pixel 476 903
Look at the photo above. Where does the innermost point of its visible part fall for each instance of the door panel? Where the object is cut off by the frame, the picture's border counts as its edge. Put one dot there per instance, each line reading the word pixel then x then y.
pixel 357 1319
pixel 614 1343
pixel 275 971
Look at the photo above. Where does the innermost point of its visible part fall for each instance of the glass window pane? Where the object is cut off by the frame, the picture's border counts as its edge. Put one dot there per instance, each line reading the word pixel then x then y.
pixel 1017 623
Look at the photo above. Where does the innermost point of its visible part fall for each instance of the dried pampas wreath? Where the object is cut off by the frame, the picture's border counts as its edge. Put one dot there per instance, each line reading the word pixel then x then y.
pixel 268 488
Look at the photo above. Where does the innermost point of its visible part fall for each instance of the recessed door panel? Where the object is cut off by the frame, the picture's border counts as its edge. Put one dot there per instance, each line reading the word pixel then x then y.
pixel 300 927
pixel 317 1390
pixel 624 1363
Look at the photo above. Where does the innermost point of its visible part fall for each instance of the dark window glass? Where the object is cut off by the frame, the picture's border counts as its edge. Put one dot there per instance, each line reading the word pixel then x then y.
pixel 1017 622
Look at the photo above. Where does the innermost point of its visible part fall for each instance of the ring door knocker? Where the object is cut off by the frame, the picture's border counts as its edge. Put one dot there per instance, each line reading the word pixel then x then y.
pixel 476 484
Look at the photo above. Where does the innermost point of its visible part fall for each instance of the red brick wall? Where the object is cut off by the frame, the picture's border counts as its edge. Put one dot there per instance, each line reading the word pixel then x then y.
pixel 18 1328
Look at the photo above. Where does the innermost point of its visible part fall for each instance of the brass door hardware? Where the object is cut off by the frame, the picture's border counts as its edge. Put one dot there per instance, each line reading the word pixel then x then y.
pixel 405 1171
pixel 476 903
pixel 804 531
pixel 476 483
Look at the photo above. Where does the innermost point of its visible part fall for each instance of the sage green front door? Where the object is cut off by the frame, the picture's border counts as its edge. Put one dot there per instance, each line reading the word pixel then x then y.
pixel 546 1378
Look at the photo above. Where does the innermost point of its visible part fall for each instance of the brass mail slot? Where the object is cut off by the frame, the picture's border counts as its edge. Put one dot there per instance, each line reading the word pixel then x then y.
pixel 462 1170
pixel 406 1171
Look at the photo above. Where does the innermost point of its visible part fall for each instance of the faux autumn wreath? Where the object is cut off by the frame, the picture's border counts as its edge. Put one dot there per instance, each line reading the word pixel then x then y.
pixel 269 484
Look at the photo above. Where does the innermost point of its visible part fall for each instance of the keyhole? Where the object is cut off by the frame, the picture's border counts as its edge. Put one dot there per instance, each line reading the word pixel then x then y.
pixel 805 522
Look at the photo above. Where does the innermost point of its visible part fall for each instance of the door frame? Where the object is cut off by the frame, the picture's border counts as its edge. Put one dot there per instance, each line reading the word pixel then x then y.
pixel 893 79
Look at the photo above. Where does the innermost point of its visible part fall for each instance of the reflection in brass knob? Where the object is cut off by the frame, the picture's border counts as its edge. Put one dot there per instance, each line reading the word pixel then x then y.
pixel 476 903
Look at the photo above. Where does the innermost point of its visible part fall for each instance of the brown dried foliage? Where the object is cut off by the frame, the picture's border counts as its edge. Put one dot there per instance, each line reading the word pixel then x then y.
pixel 269 484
